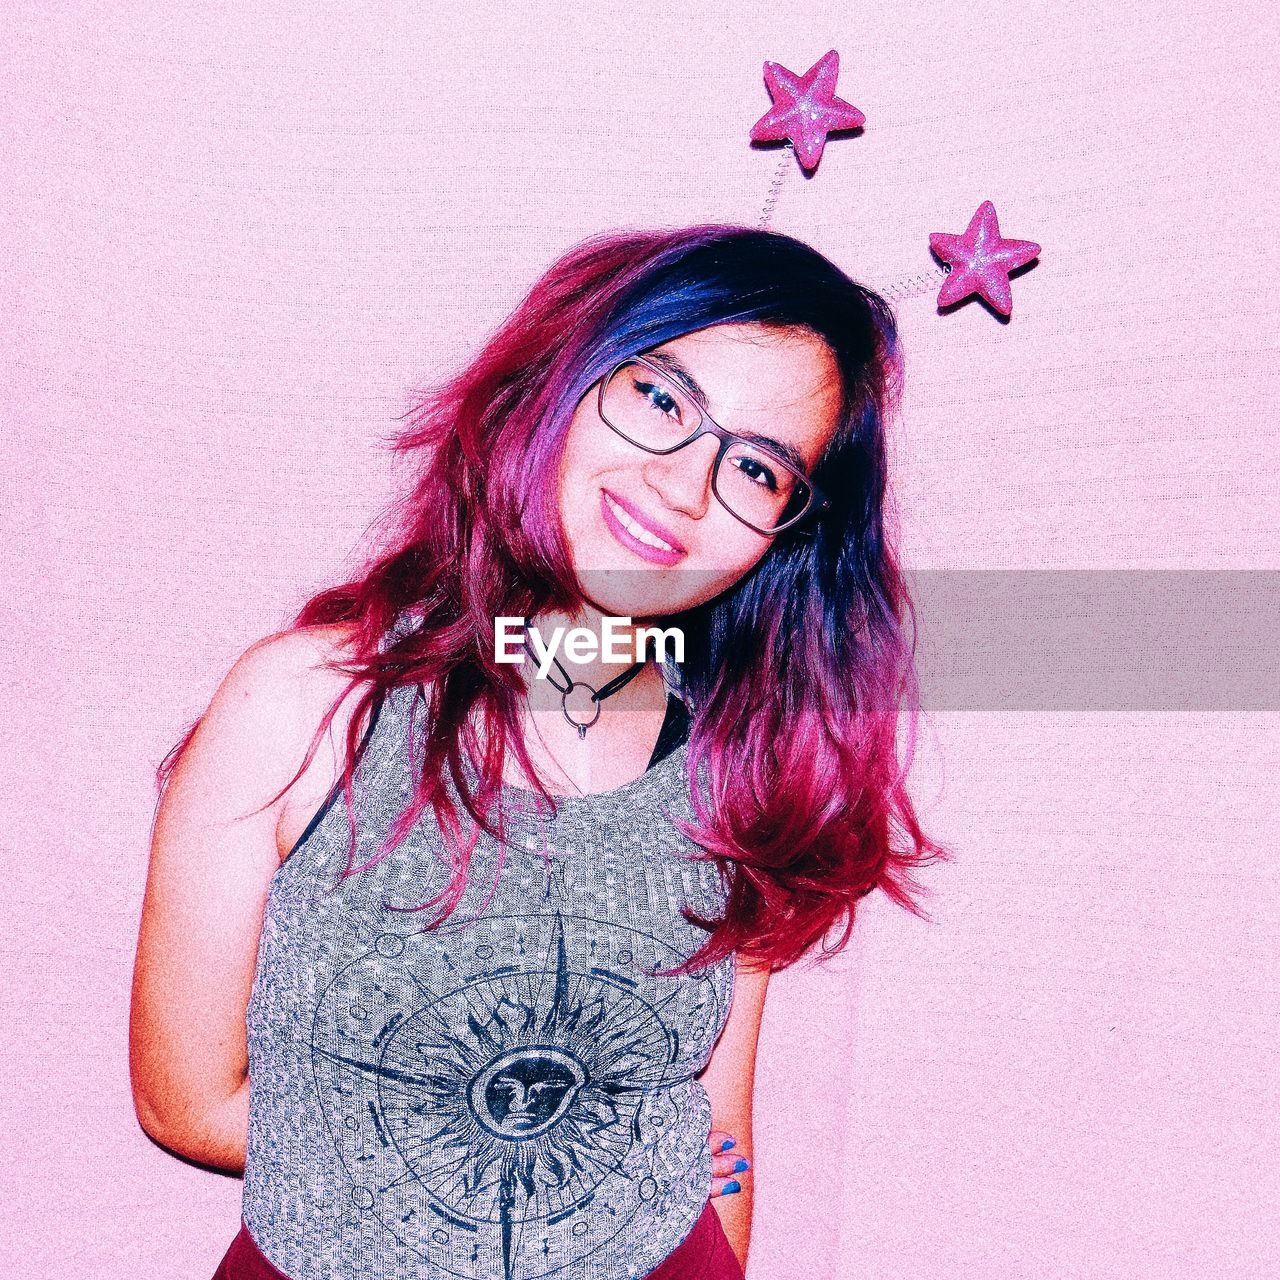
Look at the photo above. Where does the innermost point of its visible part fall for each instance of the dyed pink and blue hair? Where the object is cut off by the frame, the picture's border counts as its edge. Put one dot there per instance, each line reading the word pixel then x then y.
pixel 799 676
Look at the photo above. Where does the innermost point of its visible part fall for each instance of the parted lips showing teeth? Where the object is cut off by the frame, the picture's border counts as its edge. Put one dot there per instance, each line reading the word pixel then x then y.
pixel 636 529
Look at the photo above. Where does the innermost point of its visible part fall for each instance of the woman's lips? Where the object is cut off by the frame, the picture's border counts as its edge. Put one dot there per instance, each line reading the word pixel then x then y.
pixel 637 533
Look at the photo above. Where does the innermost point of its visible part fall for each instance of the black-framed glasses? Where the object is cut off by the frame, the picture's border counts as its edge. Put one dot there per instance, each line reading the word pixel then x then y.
pixel 653 410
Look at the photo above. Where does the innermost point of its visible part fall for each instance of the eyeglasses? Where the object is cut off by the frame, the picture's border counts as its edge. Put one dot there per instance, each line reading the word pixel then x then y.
pixel 655 411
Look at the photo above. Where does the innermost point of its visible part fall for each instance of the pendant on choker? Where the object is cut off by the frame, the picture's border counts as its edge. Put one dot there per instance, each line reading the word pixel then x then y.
pixel 591 704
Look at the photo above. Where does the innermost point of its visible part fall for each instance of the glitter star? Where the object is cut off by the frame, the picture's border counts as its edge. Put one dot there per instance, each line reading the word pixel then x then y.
pixel 805 109
pixel 980 260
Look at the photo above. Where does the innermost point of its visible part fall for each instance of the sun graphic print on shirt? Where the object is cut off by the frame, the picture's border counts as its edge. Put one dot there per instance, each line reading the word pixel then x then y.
pixel 503 1119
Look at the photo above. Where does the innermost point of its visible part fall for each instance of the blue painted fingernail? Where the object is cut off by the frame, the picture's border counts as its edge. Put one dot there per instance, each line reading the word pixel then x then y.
pixel 741 1165
pixel 727 1143
pixel 731 1186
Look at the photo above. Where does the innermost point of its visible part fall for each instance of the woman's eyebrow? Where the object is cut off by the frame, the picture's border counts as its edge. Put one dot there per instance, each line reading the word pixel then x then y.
pixel 682 375
pixel 673 366
pixel 782 449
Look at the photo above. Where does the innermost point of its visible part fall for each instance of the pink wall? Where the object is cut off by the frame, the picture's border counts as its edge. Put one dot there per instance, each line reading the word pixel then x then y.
pixel 241 231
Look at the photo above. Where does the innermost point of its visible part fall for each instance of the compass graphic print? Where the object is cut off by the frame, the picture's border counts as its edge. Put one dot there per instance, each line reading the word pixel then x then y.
pixel 496 1092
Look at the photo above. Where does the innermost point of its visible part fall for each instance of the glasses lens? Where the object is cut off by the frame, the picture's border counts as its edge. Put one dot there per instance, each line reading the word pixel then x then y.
pixel 653 410
pixel 759 488
pixel 649 408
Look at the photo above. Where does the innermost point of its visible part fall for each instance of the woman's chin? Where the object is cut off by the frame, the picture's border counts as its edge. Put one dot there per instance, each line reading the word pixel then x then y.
pixel 642 594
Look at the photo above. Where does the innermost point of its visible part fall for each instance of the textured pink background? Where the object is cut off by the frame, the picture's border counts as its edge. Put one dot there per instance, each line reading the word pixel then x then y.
pixel 238 233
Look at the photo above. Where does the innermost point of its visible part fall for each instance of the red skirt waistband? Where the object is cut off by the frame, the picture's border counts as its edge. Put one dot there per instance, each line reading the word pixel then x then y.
pixel 704 1254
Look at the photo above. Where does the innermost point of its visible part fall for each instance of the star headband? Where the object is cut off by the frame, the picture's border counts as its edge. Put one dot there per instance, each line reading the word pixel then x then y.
pixel 806 111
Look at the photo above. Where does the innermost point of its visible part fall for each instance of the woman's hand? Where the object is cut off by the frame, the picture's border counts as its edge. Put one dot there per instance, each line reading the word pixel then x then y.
pixel 728 1168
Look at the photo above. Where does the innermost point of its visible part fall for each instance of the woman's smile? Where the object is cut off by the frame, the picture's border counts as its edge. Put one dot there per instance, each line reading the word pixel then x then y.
pixel 639 532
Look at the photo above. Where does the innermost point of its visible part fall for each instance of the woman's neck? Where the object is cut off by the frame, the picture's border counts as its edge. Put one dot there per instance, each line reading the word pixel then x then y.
pixel 591 647
pixel 616 747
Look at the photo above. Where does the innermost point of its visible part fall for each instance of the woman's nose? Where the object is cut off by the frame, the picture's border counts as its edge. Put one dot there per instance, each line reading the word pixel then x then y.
pixel 683 479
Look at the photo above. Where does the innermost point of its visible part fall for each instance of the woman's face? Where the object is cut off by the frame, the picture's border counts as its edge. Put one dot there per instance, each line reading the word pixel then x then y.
pixel 781 384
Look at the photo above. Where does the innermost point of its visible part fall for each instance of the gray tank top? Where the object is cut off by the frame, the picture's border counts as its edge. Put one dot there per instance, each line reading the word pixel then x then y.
pixel 509 1096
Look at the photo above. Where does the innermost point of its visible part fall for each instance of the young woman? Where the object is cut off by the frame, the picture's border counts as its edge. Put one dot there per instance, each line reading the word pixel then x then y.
pixel 470 985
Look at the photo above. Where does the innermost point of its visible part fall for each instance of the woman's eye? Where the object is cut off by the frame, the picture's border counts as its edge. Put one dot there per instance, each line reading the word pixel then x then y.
pixel 660 399
pixel 756 471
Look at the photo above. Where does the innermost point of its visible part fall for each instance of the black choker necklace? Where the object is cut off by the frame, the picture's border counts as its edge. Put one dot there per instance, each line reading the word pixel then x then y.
pixel 592 697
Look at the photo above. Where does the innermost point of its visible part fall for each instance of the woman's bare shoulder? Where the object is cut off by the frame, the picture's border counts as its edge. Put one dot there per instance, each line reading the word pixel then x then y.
pixel 297 653
pixel 274 697
pixel 299 674
pixel 293 670
pixel 277 695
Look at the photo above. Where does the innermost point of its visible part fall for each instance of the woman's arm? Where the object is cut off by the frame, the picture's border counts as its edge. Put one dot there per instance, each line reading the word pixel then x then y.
pixel 212 859
pixel 729 1079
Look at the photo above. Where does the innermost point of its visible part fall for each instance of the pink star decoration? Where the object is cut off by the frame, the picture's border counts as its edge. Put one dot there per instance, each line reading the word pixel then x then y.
pixel 980 260
pixel 805 109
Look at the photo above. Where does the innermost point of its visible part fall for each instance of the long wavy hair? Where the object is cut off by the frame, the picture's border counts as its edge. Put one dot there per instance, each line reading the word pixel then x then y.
pixel 798 677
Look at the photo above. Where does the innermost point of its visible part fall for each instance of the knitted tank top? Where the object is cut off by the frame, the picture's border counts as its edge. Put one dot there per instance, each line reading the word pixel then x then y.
pixel 511 1095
